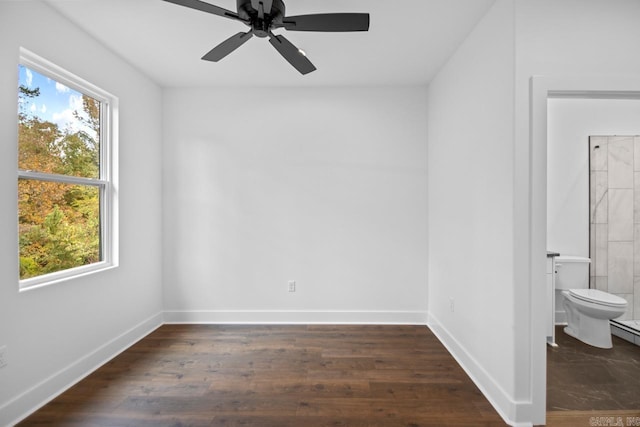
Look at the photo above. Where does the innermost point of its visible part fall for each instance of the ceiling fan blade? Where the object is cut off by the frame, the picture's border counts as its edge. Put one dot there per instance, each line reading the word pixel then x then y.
pixel 265 9
pixel 227 46
pixel 330 22
pixel 206 7
pixel 292 54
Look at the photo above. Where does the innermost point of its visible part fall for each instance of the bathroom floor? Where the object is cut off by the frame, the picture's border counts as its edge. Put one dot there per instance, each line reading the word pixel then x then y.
pixel 585 378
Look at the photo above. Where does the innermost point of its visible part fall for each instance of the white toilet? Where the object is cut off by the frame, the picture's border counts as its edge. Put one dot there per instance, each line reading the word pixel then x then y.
pixel 588 310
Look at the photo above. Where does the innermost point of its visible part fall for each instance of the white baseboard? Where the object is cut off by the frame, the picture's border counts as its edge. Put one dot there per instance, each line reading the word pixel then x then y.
pixel 502 403
pixel 297 317
pixel 37 396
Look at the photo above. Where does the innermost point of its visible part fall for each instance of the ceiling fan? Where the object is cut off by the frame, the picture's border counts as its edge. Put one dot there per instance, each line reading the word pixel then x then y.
pixel 262 16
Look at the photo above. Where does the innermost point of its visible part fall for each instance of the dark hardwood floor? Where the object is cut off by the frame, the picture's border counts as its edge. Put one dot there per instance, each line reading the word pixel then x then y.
pixel 285 376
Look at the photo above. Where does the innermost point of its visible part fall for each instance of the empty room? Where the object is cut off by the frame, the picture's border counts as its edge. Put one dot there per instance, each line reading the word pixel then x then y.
pixel 314 213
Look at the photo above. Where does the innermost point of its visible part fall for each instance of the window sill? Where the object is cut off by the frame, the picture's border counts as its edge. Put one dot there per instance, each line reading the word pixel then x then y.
pixel 64 276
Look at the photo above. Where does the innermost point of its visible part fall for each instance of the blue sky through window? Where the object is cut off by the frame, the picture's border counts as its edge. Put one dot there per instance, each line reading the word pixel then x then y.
pixel 56 102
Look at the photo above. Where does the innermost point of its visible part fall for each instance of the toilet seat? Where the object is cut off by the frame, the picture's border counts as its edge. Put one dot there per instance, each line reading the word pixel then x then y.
pixel 596 296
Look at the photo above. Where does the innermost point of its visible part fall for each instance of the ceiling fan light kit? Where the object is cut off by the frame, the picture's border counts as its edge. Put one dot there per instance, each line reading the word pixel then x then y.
pixel 263 16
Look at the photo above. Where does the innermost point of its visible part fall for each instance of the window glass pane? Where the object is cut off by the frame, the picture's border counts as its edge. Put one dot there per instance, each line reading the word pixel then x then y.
pixel 59 226
pixel 58 127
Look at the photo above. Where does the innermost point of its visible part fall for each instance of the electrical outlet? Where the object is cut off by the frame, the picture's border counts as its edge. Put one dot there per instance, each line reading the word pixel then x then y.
pixel 292 285
pixel 3 356
pixel 452 305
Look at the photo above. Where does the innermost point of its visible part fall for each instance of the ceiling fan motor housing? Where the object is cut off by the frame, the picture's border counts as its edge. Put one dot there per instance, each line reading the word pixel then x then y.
pixel 261 27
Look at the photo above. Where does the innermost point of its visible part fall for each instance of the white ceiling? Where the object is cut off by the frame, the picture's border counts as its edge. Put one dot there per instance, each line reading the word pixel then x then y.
pixel 408 41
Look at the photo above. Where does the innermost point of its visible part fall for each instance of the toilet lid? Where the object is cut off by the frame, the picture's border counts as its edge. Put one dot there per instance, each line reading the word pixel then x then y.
pixel 598 297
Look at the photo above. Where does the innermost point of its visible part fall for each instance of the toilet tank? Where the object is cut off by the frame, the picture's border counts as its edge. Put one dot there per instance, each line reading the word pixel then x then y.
pixel 572 272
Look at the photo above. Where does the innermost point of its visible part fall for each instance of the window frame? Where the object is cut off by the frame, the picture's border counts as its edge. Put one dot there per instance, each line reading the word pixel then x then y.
pixel 106 182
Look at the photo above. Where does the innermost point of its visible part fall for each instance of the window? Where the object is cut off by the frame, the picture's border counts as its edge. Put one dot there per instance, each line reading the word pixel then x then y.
pixel 66 184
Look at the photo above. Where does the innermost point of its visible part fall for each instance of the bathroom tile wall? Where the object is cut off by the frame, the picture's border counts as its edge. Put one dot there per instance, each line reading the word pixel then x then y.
pixel 615 218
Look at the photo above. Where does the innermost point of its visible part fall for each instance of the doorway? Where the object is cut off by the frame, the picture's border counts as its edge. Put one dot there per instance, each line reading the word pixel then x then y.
pixel 543 89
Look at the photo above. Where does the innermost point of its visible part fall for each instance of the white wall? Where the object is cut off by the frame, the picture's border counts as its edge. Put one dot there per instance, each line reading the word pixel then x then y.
pixel 470 175
pixel 481 186
pixel 569 40
pixel 58 333
pixel 323 186
pixel 571 122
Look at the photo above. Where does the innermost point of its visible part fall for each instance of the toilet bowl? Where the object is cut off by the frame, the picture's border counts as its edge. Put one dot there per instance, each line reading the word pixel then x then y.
pixel 588 311
pixel 588 314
